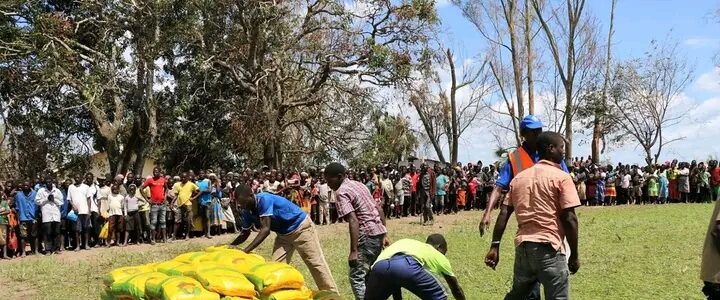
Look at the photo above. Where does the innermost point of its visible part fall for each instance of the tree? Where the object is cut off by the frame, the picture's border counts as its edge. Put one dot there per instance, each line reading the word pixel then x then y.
pixel 599 121
pixel 499 22
pixel 445 117
pixel 391 141
pixel 647 100
pixel 579 46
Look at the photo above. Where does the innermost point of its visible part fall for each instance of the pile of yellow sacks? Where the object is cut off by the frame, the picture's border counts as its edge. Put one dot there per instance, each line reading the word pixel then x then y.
pixel 214 274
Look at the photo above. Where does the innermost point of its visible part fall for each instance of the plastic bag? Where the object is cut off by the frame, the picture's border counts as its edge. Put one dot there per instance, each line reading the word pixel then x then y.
pixel 178 288
pixel 104 231
pixel 226 282
pixel 275 276
pixel 120 274
pixel 240 262
pixel 301 294
pixel 134 287
pixel 181 270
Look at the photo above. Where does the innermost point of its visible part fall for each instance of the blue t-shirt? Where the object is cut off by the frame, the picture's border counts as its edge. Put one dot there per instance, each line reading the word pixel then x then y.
pixel 204 186
pixel 25 205
pixel 506 174
pixel 285 216
pixel 440 183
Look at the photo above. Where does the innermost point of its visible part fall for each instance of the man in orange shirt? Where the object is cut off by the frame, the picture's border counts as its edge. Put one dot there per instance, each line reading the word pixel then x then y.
pixel 544 200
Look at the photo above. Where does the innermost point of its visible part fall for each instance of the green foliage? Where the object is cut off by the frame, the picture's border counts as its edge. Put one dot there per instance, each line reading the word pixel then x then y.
pixel 390 141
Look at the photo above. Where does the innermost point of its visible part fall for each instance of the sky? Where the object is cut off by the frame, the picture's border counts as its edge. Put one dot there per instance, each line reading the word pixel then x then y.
pixel 637 22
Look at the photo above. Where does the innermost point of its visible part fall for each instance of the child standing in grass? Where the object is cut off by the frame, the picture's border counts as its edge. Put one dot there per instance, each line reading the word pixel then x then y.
pixel 116 212
pixel 653 187
pixel 4 211
pixel 132 219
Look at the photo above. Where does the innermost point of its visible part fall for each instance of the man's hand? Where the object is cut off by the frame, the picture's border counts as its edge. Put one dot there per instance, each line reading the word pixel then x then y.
pixel 484 223
pixel 386 242
pixel 493 257
pixel 574 263
pixel 353 259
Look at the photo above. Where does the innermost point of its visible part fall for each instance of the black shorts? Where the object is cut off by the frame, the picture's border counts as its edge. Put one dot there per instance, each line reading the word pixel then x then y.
pixel 51 229
pixel 83 223
pixel 132 221
pixel 28 229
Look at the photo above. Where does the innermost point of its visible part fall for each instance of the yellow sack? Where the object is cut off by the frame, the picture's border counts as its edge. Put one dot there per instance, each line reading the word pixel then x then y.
pixel 238 298
pixel 120 274
pixel 225 282
pixel 178 288
pixel 167 267
pixel 134 287
pixel 275 276
pixel 326 295
pixel 182 270
pixel 301 294
pixel 217 248
pixel 104 231
pixel 190 257
pixel 242 263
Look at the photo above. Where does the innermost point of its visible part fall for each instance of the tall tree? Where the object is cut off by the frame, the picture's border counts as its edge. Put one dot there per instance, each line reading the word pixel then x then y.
pixel 575 31
pixel 599 116
pixel 443 115
pixel 647 100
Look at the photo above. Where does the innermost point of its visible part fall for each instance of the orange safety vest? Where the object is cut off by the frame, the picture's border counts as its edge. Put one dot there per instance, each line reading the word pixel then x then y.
pixel 520 160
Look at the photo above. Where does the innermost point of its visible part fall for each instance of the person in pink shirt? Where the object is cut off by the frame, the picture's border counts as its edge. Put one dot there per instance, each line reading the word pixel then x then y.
pixel 543 198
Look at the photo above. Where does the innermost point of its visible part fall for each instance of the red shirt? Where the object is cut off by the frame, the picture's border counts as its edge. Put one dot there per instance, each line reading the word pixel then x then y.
pixel 473 186
pixel 157 189
pixel 716 176
pixel 414 182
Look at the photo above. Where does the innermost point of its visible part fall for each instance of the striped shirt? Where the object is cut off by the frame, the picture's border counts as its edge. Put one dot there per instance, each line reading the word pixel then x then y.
pixel 353 196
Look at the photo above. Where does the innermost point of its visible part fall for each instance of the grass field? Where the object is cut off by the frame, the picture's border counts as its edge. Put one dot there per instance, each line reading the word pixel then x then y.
pixel 627 252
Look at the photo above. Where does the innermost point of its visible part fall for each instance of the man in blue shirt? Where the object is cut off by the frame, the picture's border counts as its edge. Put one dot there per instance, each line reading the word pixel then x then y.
pixel 295 231
pixel 204 199
pixel 522 158
pixel 27 212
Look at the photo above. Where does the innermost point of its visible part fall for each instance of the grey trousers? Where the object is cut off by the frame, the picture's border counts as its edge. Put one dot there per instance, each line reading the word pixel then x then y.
pixel 539 262
pixel 369 249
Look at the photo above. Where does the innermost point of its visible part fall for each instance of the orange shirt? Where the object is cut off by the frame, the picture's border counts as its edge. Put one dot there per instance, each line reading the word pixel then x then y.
pixel 538 195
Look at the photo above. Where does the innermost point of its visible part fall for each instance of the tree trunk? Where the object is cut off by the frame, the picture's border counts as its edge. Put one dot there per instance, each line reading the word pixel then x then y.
pixel 529 54
pixel 568 123
pixel 599 121
pixel 515 56
pixel 453 111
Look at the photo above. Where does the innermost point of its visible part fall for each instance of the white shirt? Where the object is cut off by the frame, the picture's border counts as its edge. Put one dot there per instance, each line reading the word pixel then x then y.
pixel 116 205
pixel 78 196
pixel 626 181
pixel 324 191
pixel 50 209
pixel 93 193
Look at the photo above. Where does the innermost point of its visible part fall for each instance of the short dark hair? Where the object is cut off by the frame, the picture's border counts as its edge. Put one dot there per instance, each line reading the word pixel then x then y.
pixel 436 240
pixel 547 139
pixel 334 169
pixel 243 190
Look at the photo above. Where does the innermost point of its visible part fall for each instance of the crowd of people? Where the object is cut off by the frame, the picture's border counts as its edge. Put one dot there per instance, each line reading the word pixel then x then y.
pixel 51 216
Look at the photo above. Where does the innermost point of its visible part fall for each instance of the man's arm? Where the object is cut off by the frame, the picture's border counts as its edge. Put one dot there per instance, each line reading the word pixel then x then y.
pixel 380 210
pixel 244 235
pixel 455 288
pixel 487 215
pixel 569 222
pixel 261 236
pixel 354 229
pixel 493 257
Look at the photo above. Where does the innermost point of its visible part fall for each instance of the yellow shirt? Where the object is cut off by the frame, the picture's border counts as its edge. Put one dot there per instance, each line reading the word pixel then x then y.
pixel 184 192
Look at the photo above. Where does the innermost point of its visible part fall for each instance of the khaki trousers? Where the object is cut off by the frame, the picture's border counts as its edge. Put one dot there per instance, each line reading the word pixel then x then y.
pixel 305 240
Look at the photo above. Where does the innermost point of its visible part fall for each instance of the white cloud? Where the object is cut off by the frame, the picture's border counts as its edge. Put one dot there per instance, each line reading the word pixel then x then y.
pixel 709 81
pixel 441 3
pixel 702 42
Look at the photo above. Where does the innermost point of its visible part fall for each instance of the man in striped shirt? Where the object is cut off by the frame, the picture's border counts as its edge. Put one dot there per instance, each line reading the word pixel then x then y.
pixel 366 224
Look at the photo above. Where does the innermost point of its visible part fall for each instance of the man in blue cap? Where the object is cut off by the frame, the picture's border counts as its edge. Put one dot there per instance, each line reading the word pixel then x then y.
pixel 522 158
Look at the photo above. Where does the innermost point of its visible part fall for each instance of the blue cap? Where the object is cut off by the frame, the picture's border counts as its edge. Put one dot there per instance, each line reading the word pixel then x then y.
pixel 531 122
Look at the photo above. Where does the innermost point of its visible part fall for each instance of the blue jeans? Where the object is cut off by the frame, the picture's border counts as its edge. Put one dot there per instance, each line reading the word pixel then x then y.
pixel 536 262
pixel 157 216
pixel 388 276
pixel 369 249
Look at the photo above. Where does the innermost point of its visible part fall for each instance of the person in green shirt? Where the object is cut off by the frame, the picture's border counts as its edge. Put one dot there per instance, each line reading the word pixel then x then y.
pixel 4 211
pixel 413 265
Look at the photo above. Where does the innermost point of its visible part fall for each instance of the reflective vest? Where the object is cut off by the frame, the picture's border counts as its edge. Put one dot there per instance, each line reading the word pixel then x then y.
pixel 520 160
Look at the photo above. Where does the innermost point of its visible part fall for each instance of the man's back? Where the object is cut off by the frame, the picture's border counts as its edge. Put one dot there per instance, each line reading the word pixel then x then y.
pixel 538 195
